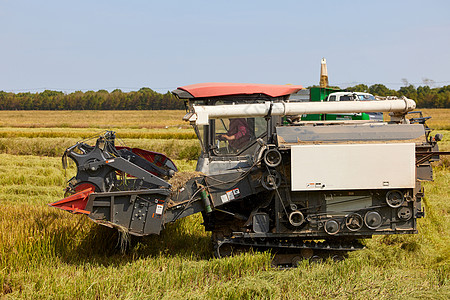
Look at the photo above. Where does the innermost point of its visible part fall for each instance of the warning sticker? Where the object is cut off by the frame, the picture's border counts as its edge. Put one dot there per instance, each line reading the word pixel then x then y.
pixel 314 185
pixel 224 198
pixel 159 209
pixel 230 195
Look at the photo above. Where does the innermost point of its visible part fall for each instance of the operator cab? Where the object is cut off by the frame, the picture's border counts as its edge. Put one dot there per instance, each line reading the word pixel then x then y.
pixel 230 143
pixel 228 137
pixel 234 136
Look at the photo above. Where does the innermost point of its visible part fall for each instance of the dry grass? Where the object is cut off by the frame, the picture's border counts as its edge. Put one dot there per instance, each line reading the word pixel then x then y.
pixel 440 117
pixel 47 253
pixel 40 180
pixel 94 119
pixel 173 148
pixel 83 133
pixel 137 119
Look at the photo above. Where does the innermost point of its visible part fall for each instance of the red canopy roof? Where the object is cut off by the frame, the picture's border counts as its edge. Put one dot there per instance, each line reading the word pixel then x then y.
pixel 212 89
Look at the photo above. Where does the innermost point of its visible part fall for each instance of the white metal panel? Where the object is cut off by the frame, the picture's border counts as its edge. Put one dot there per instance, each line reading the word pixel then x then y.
pixel 352 166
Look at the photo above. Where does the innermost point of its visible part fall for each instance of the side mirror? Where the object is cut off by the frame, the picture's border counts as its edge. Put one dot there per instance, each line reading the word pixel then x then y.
pixel 438 137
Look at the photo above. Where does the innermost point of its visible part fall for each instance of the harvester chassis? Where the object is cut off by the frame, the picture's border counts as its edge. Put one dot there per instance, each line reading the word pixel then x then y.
pixel 297 189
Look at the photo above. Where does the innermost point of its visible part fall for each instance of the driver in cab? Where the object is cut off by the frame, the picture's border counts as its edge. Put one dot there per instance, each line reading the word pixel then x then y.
pixel 238 135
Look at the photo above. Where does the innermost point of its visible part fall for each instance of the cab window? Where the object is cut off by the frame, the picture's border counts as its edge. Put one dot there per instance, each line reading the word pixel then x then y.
pixel 234 135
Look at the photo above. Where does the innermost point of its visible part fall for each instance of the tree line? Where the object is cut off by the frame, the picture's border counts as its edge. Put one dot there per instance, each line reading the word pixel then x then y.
pixel 144 99
pixel 425 96
pixel 147 99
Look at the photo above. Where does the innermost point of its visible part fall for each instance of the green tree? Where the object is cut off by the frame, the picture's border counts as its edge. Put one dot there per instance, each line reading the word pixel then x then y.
pixel 359 88
pixel 381 90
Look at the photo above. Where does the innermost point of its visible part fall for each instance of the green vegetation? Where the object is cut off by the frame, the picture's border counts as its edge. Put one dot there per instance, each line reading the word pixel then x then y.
pixel 424 96
pixel 47 253
pixel 147 99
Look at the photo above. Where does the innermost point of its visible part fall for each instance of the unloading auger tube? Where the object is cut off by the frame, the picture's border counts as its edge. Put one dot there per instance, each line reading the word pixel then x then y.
pixel 288 186
pixel 202 113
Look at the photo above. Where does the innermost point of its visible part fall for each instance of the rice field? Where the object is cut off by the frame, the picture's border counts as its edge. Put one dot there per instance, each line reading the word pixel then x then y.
pixel 93 119
pixel 440 118
pixel 46 253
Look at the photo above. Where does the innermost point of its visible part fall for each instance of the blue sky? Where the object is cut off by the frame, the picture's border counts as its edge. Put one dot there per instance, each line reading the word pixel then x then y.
pixel 92 45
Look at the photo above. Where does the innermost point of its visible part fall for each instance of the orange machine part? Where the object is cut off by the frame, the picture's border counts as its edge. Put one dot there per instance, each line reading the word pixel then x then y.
pixel 75 203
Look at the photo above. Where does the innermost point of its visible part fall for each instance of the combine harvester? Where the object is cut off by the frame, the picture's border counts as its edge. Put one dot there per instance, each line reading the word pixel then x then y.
pixel 265 181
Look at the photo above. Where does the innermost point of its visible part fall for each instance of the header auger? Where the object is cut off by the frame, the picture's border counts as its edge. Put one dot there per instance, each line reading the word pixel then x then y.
pixel 266 180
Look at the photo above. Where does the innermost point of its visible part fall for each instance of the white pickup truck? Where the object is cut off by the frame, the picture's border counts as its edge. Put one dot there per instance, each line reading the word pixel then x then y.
pixel 355 96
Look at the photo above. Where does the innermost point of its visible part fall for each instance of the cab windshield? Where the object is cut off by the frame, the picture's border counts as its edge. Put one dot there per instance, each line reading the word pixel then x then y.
pixel 235 135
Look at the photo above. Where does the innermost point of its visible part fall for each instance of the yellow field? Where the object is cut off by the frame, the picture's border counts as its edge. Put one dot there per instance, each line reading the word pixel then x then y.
pixel 94 119
pixel 440 118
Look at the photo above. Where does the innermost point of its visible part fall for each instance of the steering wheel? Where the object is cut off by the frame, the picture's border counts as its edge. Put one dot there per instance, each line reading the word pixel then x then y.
pixel 218 140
